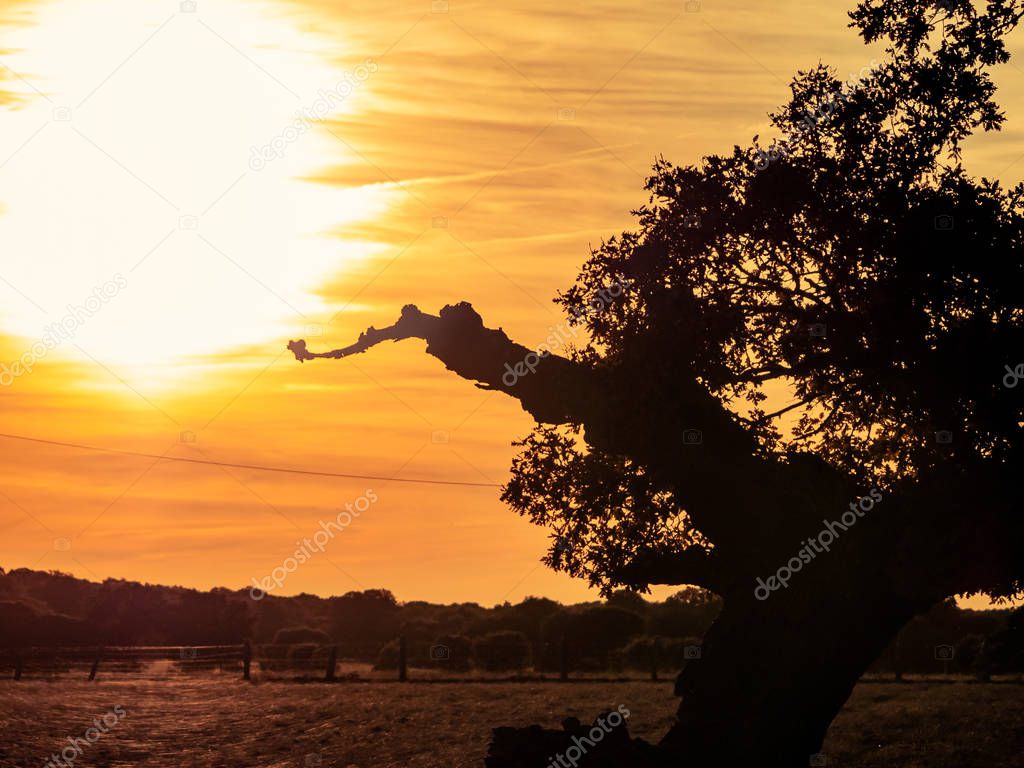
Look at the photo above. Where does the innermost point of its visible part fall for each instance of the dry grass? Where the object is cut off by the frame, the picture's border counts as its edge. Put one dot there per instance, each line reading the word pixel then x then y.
pixel 220 721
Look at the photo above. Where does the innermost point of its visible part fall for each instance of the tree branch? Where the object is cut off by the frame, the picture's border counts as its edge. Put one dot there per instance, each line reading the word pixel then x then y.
pixel 553 389
pixel 630 406
pixel 694 566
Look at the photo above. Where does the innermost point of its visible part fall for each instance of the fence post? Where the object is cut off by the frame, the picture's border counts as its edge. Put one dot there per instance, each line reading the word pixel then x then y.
pixel 564 660
pixel 332 662
pixel 18 665
pixel 246 660
pixel 403 672
pixel 95 664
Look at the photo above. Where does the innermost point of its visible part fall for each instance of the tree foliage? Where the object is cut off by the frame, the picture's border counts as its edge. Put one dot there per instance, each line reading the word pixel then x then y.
pixel 847 291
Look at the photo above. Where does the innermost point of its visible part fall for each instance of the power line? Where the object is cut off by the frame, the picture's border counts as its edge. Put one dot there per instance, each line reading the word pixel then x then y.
pixel 258 467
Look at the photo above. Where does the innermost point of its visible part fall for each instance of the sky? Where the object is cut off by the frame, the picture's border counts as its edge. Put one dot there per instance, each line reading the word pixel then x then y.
pixel 184 187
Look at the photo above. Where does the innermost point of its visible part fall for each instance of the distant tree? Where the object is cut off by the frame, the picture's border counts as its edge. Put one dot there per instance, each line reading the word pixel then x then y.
pixel 527 617
pixel 237 620
pixel 969 657
pixel 685 614
pixel 850 277
pixel 21 626
pixel 458 617
pixel 295 635
pixel 364 621
pixel 670 653
pixel 453 652
pixel 628 600
pixel 1003 652
pixel 424 629
pixel 921 645
pixel 501 651
pixel 301 656
pixel 272 615
pixel 419 610
pixel 592 633
pixel 387 657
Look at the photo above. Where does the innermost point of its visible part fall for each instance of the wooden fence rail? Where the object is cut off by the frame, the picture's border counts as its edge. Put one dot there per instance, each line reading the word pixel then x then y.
pixel 22 659
pixel 316 662
pixel 104 661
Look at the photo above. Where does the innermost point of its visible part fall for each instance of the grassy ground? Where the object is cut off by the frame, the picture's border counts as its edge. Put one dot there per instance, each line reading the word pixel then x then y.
pixel 213 721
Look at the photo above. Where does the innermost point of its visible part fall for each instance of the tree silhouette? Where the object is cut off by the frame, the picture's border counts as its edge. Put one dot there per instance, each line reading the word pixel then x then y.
pixel 791 330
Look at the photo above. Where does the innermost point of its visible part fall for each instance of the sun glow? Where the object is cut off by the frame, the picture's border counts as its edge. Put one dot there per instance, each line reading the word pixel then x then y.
pixel 167 160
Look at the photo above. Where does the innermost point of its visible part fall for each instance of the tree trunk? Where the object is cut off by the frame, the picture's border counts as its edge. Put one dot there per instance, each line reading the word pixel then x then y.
pixel 777 666
pixel 773 675
pixel 771 678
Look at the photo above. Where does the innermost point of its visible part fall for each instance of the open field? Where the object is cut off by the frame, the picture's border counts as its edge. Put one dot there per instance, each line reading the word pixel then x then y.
pixel 220 721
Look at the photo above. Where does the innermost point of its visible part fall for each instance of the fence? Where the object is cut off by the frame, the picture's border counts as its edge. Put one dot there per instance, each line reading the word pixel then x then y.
pixel 322 660
pixel 19 662
pixel 318 662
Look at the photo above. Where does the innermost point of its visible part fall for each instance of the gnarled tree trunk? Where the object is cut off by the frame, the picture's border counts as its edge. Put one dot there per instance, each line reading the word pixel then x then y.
pixel 776 666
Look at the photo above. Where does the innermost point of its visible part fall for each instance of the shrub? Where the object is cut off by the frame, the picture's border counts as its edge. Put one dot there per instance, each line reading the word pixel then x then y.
pixel 453 652
pixel 296 635
pixel 967 656
pixel 301 655
pixel 671 652
pixel 273 658
pixel 388 657
pixel 591 633
pixel 502 651
pixel 363 621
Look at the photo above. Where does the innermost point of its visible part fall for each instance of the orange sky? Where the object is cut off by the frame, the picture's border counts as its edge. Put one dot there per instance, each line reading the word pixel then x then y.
pixel 479 154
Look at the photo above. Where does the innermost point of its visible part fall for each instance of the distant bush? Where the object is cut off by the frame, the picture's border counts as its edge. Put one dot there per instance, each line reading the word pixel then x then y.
pixel 502 651
pixel 388 656
pixel 670 652
pixel 1003 651
pixel 591 635
pixel 273 658
pixel 363 621
pixel 55 609
pixel 302 655
pixel 454 652
pixel 296 635
pixel 969 656
pixel 294 656
pixel 687 613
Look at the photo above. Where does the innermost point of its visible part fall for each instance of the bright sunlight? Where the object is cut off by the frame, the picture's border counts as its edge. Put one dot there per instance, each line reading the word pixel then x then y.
pixel 162 207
